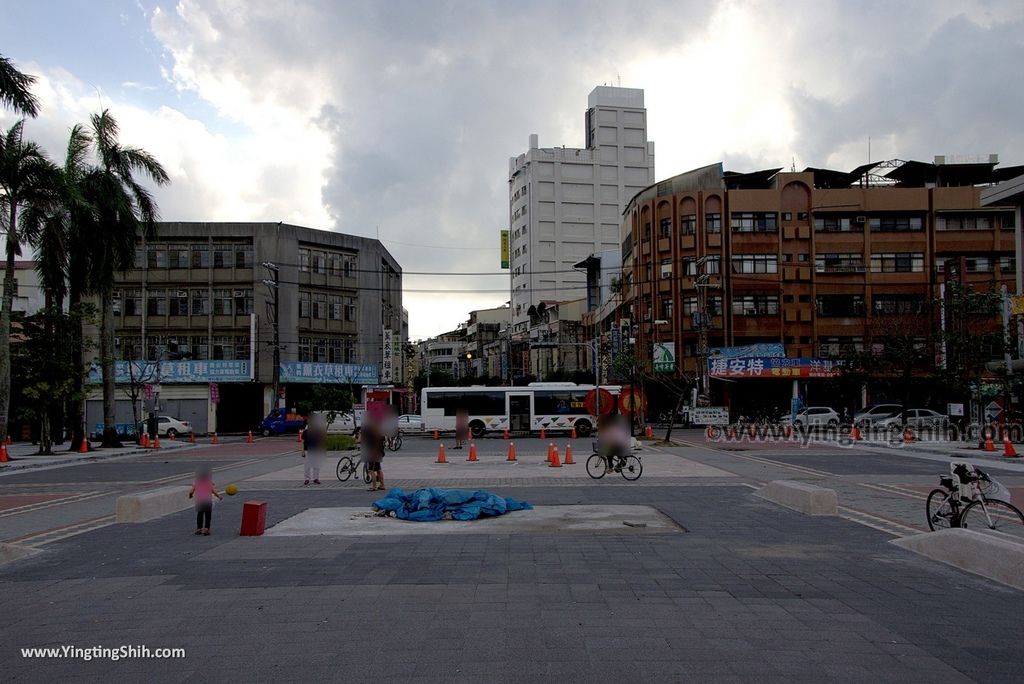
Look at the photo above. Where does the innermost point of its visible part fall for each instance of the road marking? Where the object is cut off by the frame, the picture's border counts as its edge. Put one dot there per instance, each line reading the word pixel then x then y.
pixel 53 534
pixel 43 505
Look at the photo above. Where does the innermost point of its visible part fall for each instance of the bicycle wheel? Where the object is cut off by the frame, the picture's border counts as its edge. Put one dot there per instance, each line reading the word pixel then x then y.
pixel 993 515
pixel 395 443
pixel 366 474
pixel 595 466
pixel 344 469
pixel 631 468
pixel 939 510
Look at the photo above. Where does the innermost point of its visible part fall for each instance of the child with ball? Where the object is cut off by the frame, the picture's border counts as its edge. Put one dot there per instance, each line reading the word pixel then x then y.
pixel 203 491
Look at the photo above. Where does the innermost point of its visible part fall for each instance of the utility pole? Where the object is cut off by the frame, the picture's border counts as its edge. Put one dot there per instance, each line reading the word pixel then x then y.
pixel 701 324
pixel 273 284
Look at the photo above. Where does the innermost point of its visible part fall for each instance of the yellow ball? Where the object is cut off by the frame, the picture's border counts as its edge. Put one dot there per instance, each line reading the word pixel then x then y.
pixel 231 490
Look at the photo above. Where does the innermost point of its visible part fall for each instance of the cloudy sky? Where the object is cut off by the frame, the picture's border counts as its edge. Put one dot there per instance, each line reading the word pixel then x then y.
pixel 398 118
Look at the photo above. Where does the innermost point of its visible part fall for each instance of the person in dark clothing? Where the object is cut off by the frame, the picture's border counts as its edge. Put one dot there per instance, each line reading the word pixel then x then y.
pixel 371 444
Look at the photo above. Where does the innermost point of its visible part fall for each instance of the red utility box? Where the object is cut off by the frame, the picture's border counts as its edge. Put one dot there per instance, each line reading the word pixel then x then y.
pixel 254 518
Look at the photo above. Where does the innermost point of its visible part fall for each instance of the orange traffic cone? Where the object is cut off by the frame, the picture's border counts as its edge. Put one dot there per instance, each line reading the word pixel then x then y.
pixel 511 452
pixel 299 440
pixel 555 463
pixel 648 432
pixel 84 448
pixel 543 434
pixel 505 434
pixel 472 452
pixel 249 439
pixel 440 454
pixel 3 453
pixel 436 435
pixel 568 455
pixel 1008 450
pixel 9 441
pixel 787 432
pixel 145 440
pixel 191 438
pixel 215 439
pixel 551 451
pixel 855 434
pixel 156 442
pixel 989 446
pixel 572 435
pixel 908 436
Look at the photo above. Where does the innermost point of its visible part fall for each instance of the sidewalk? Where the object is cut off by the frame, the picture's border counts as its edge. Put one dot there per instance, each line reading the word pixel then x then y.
pixel 23 455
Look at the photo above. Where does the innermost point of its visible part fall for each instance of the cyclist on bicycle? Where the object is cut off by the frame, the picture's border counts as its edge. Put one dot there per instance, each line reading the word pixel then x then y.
pixel 613 440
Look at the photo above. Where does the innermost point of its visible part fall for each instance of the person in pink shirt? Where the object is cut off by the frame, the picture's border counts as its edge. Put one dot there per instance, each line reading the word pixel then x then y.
pixel 203 491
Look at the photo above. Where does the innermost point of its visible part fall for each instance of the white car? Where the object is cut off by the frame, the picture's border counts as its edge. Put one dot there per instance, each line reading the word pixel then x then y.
pixel 168 426
pixel 410 423
pixel 916 418
pixel 873 414
pixel 814 416
pixel 343 423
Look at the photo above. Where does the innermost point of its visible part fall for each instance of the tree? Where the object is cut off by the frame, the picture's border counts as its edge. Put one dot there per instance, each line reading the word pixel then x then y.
pixel 121 211
pixel 28 183
pixel 15 89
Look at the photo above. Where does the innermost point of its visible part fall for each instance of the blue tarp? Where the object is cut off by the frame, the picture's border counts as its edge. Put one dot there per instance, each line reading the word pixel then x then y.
pixel 428 505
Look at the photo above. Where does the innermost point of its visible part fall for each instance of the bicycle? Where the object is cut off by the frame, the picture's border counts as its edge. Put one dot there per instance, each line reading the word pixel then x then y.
pixel 629 466
pixel 346 468
pixel 393 443
pixel 952 506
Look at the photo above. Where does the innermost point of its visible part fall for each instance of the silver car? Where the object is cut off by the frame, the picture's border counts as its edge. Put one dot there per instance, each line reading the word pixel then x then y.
pixel 815 416
pixel 916 418
pixel 876 412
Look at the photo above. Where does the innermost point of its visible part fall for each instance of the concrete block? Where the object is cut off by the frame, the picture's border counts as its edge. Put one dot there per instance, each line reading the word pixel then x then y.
pixel 995 555
pixel 12 552
pixel 156 503
pixel 800 496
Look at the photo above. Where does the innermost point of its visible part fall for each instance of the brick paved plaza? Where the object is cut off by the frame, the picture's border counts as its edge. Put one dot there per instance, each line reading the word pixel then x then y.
pixel 745 591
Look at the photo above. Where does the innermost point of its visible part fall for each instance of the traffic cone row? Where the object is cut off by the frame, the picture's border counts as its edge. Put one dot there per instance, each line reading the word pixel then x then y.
pixel 144 442
pixel 1008 450
pixel 989 446
pixel 156 444
pixel 553 461
pixel 472 452
pixel 568 455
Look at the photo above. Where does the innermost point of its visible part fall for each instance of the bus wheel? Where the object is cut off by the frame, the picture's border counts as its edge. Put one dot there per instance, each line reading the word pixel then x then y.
pixel 477 429
pixel 583 428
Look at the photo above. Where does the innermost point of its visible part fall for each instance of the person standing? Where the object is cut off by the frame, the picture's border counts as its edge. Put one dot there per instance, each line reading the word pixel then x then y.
pixel 313 442
pixel 203 490
pixel 461 427
pixel 371 444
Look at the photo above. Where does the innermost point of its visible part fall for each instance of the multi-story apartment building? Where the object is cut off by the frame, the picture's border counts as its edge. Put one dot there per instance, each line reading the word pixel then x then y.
pixel 811 260
pixel 205 299
pixel 484 327
pixel 443 353
pixel 28 296
pixel 566 203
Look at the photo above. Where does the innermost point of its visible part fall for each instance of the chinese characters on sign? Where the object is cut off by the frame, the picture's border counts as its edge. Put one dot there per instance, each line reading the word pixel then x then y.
pixel 504 249
pixel 176 372
pixel 348 373
pixel 214 393
pixel 764 367
pixel 664 357
pixel 387 358
pixel 773 350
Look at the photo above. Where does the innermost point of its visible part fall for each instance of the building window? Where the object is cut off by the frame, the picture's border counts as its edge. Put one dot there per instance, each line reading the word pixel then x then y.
pixel 223 348
pixel 754 222
pixel 222 302
pixel 243 302
pixel 200 256
pixel 129 349
pixel 787 216
pixel 242 347
pixel 350 265
pixel 320 306
pixel 755 263
pixel 304 308
pixel 115 298
pixel 895 224
pixel 304 349
pixel 837 224
pixel 304 260
pixel 200 302
pixel 243 256
pixel 179 303
pixel 223 256
pixel 840 347
pixel 666 268
pixel 688 224
pixel 156 303
pixel 156 256
pixel 334 351
pixel 897 304
pixel 133 302
pixel 666 309
pixel 350 312
pixel 665 227
pixel 840 305
pixel 140 257
pixel 839 263
pixel 200 348
pixel 334 265
pixel 647 232
pixel 964 222
pixel 319 260
pixel 1008 264
pixel 335 308
pixel 897 262
pixel 178 256
pixel 755 305
pixel 979 264
pixel 713 223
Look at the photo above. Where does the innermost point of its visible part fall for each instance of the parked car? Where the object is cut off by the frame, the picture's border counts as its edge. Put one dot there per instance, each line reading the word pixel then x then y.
pixel 410 423
pixel 168 426
pixel 813 416
pixel 343 423
pixel 916 418
pixel 279 422
pixel 869 415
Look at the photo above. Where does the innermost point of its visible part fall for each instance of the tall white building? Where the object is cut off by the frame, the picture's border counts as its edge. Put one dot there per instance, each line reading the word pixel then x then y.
pixel 567 203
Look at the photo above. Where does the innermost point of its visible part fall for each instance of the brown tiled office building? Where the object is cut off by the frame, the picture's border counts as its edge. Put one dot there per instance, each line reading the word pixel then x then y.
pixel 805 258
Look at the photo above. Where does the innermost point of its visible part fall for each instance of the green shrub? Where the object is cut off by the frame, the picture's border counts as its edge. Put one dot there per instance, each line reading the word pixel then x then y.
pixel 340 442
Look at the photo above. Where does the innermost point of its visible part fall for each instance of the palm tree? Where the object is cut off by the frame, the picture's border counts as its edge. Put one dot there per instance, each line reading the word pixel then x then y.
pixel 15 90
pixel 28 183
pixel 122 209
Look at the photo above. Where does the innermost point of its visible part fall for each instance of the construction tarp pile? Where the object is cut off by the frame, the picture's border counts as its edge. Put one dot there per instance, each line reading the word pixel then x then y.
pixel 428 505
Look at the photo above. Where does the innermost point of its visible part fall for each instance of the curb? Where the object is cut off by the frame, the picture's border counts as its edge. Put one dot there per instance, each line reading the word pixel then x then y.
pixel 99 455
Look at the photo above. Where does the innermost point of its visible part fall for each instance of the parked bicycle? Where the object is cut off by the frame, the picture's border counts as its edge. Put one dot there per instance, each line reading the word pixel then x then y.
pixel 394 442
pixel 346 468
pixel 972 500
pixel 628 466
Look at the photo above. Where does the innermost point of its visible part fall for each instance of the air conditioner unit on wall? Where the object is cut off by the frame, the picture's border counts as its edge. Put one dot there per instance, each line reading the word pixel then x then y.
pixel 860 219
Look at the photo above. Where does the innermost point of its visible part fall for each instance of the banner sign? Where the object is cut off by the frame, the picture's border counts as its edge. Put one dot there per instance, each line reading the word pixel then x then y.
pixel 177 372
pixel 504 249
pixel 387 357
pixel 709 415
pixel 664 357
pixel 349 373
pixel 214 393
pixel 762 367
pixel 768 350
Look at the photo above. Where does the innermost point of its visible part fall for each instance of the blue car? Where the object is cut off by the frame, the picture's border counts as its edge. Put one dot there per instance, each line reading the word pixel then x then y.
pixel 279 422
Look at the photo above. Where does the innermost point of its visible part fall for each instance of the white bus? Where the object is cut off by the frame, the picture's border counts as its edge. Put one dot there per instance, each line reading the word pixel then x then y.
pixel 540 405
